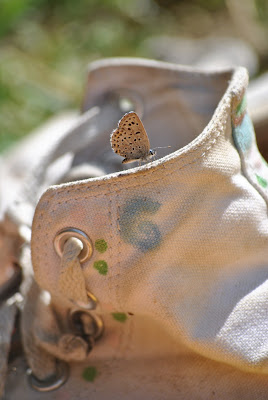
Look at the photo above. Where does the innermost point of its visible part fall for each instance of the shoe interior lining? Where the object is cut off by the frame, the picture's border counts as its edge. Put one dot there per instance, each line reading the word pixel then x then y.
pixel 174 114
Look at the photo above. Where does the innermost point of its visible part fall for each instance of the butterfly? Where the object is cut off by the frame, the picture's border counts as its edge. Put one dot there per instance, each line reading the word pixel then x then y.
pixel 130 140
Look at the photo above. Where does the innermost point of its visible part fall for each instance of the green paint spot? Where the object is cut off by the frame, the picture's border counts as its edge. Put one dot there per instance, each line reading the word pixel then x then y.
pixel 101 246
pixel 263 182
pixel 119 316
pixel 101 266
pixel 240 109
pixel 89 374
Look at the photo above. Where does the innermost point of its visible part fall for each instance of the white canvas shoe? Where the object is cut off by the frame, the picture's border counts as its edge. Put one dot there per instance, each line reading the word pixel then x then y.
pixel 148 282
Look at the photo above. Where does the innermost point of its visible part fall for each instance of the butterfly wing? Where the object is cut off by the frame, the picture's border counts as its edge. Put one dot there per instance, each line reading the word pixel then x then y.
pixel 130 139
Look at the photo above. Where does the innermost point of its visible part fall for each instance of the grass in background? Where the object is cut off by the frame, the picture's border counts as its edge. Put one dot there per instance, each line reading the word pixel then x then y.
pixel 46 45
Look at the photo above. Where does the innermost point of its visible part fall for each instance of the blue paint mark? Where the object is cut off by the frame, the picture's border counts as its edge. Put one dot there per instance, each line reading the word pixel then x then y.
pixel 136 228
pixel 243 134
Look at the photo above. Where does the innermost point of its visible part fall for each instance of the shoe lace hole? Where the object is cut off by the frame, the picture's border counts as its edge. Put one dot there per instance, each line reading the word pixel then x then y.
pixel 66 233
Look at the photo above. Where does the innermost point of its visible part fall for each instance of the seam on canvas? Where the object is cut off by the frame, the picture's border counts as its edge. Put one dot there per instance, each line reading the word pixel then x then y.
pixel 114 186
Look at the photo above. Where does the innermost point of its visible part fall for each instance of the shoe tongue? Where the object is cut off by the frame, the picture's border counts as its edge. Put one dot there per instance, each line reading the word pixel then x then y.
pixel 175 103
pixel 142 77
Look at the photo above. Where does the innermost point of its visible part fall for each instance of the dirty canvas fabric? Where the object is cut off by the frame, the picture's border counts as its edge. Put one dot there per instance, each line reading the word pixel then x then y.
pixel 174 282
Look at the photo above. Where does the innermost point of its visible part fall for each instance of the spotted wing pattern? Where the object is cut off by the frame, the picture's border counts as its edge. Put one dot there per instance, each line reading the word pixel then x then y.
pixel 130 139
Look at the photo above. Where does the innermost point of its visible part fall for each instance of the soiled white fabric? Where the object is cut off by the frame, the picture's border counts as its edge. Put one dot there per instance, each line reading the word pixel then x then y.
pixel 180 245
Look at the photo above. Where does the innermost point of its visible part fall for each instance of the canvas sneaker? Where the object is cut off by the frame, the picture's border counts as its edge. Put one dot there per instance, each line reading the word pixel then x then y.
pixel 142 281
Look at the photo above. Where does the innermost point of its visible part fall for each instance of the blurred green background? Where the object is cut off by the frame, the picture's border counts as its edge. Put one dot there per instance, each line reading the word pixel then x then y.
pixel 46 45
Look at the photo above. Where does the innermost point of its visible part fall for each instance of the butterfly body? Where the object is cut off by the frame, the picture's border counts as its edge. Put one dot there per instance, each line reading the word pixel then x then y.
pixel 146 158
pixel 130 140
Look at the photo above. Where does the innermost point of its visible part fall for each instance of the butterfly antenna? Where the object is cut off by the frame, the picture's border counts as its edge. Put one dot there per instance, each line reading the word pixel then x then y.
pixel 165 147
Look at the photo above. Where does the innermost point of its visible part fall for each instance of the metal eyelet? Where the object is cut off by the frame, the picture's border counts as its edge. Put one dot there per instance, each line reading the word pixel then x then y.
pixel 52 383
pixel 93 330
pixel 66 234
pixel 91 305
pixel 99 326
pixel 126 100
pixel 129 100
